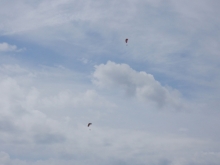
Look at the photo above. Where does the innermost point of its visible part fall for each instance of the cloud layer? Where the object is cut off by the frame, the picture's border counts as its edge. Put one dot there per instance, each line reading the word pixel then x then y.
pixel 76 66
pixel 46 122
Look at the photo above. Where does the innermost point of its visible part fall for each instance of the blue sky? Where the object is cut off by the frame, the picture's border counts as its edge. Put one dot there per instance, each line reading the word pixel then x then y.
pixel 65 63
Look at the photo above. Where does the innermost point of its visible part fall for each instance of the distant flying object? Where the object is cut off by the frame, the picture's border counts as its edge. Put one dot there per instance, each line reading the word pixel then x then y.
pixel 126 40
pixel 89 124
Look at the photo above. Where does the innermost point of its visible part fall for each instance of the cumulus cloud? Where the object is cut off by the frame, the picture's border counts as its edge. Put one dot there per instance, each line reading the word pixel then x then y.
pixel 138 84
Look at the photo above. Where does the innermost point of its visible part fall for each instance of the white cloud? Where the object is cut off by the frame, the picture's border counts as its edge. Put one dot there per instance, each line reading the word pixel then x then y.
pixel 44 113
pixel 5 47
pixel 44 122
pixel 138 84
pixel 26 104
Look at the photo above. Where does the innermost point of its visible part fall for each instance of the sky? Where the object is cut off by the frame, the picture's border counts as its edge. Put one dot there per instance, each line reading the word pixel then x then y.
pixel 152 101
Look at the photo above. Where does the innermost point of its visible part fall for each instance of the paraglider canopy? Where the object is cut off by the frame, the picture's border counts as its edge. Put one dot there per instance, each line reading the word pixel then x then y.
pixel 89 124
pixel 126 40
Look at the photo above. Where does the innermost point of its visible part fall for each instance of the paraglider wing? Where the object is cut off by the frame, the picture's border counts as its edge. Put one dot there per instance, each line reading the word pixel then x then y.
pixel 89 124
pixel 126 40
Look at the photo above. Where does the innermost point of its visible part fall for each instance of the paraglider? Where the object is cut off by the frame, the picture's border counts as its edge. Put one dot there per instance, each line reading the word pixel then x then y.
pixel 126 41
pixel 89 124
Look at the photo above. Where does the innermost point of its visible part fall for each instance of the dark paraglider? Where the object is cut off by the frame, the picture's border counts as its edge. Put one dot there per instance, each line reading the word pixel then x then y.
pixel 126 41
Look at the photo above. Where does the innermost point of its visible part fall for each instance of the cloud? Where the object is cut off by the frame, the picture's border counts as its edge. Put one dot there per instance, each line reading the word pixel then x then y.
pixel 4 158
pixel 7 125
pixel 44 111
pixel 28 106
pixel 44 122
pixel 138 84
pixel 49 138
pixel 5 47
